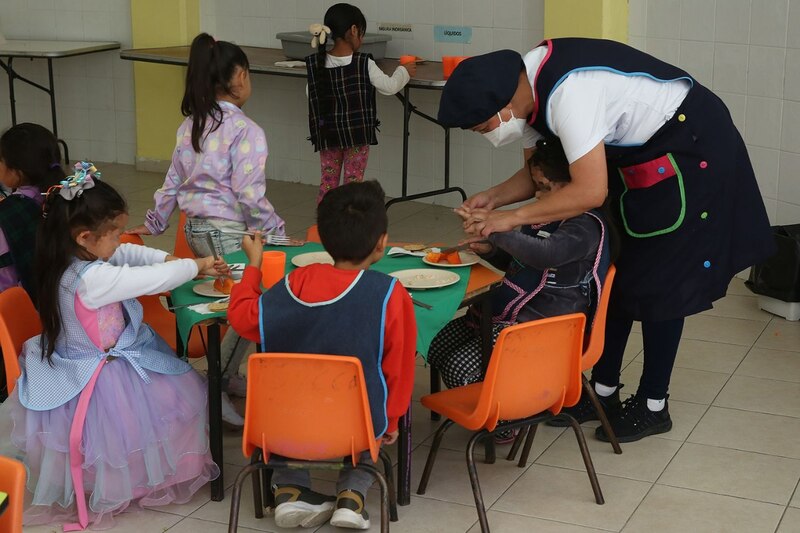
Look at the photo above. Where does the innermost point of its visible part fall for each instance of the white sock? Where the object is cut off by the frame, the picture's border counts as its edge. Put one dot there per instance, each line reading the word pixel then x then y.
pixel 603 390
pixel 656 405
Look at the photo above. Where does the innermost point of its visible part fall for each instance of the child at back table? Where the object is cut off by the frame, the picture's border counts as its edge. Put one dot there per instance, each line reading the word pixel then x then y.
pixel 342 113
pixel 29 165
pixel 217 173
pixel 103 407
pixel 339 309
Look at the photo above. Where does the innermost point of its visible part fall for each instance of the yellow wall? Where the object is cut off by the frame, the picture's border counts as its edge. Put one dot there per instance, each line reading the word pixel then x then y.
pixel 606 19
pixel 159 88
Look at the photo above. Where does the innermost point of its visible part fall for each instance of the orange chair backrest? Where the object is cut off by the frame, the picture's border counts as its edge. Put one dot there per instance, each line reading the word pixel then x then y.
pixel 597 336
pixel 308 407
pixel 12 482
pixel 535 366
pixel 312 234
pixel 131 239
pixel 182 248
pixel 19 321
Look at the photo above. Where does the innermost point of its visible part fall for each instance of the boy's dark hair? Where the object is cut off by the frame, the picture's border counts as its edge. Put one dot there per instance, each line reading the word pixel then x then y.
pixel 33 151
pixel 351 219
pixel 92 210
pixel 550 157
pixel 211 67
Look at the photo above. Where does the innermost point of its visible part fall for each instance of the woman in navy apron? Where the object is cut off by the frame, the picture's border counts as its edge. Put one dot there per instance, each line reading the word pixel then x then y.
pixel 665 152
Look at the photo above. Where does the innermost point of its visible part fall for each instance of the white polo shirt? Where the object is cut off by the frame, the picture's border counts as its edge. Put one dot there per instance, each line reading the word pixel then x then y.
pixel 598 105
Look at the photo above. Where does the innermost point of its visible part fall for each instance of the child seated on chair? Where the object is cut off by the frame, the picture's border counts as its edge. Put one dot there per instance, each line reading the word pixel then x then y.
pixel 342 309
pixel 550 269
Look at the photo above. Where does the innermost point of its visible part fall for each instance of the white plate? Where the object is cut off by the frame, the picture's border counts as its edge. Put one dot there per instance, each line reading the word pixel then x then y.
pixel 467 259
pixel 425 278
pixel 310 258
pixel 237 270
pixel 207 289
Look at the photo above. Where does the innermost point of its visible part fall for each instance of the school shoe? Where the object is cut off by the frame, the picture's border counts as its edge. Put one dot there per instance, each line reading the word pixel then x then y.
pixel 634 421
pixel 237 386
pixel 300 506
pixel 583 411
pixel 350 511
pixel 229 415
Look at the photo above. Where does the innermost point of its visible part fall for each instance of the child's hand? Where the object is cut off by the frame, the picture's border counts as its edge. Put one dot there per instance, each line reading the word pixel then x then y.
pixel 390 438
pixel 479 245
pixel 206 266
pixel 138 230
pixel 411 68
pixel 253 248
pixel 221 268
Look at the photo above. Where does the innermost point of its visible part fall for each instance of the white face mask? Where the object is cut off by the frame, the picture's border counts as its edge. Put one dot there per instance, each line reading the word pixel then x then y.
pixel 506 132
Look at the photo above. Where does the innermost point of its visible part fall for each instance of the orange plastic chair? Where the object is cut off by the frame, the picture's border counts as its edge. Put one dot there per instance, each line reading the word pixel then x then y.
pixel 534 371
pixel 182 248
pixel 19 321
pixel 162 320
pixel 310 408
pixel 12 482
pixel 312 234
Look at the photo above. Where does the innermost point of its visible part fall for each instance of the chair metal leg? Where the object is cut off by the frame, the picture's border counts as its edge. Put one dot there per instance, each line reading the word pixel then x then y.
pixel 512 453
pixel 587 459
pixel 601 414
pixel 526 450
pixel 233 520
pixel 473 479
pixel 436 386
pixel 266 484
pixel 490 451
pixel 385 511
pixel 387 469
pixel 258 499
pixel 437 440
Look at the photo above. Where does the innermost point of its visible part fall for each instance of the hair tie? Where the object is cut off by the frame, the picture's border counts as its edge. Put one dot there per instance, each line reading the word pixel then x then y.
pixel 55 165
pixel 83 178
pixel 320 32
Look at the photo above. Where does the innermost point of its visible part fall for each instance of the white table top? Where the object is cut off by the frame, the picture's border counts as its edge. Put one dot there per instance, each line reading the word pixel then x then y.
pixel 26 48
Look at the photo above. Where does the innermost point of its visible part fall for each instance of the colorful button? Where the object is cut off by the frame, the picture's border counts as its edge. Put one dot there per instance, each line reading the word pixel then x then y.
pixel 703 164
pixel 704 215
pixel 661 170
pixel 707 264
pixel 681 117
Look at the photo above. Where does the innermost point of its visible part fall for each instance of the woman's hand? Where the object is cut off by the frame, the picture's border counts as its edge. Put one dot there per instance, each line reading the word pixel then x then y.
pixel 482 200
pixel 206 266
pixel 139 230
pixel 482 222
pixel 253 247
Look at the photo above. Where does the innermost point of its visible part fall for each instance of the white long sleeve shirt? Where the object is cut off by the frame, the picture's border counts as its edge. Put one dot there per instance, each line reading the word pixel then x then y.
pixel 383 83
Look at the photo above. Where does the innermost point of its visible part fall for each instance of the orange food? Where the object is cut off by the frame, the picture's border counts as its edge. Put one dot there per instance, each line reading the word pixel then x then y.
pixel 453 258
pixel 434 257
pixel 223 285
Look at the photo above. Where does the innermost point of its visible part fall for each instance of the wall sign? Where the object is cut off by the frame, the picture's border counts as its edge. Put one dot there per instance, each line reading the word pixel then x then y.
pixel 397 30
pixel 452 34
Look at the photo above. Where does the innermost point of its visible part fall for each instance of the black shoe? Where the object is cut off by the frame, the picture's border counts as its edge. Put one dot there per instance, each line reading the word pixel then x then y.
pixel 300 506
pixel 634 421
pixel 350 511
pixel 583 411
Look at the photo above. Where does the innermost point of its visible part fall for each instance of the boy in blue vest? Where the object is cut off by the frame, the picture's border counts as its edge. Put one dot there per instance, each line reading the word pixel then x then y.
pixel 339 309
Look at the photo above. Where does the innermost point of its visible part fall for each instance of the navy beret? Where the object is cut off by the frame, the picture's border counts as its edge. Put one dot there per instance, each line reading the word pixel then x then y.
pixel 479 87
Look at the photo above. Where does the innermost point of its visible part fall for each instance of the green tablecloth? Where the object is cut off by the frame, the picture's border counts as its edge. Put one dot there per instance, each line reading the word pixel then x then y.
pixel 445 300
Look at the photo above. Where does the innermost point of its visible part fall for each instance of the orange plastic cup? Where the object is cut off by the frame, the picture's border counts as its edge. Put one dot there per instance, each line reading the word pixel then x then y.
pixel 407 59
pixel 449 64
pixel 273 266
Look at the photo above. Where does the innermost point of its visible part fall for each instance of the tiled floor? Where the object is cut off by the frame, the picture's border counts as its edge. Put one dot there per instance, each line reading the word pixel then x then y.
pixel 730 464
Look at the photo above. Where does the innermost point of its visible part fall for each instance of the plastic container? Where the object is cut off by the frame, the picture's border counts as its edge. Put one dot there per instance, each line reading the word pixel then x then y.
pixel 449 64
pixel 297 44
pixel 776 281
pixel 788 310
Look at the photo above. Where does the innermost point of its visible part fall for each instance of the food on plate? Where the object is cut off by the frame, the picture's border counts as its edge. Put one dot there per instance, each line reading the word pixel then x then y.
pixel 452 258
pixel 414 247
pixel 223 285
pixel 217 307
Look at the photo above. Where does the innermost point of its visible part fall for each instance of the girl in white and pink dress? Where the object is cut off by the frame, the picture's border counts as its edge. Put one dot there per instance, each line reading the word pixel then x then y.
pixel 103 404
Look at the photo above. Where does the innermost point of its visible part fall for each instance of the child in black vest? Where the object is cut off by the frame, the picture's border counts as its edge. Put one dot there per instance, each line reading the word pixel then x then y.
pixel 29 165
pixel 550 269
pixel 342 114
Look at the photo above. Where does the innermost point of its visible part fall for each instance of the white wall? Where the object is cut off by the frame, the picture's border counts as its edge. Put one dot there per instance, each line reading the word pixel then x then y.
pixel 94 93
pixel 748 53
pixel 279 104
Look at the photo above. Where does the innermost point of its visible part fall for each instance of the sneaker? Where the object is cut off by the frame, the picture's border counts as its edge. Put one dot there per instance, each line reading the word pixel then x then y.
pixel 635 421
pixel 350 511
pixel 505 436
pixel 300 506
pixel 237 386
pixel 583 411
pixel 229 414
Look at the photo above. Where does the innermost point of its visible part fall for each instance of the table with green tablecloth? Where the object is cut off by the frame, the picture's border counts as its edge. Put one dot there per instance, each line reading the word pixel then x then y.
pixel 445 301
